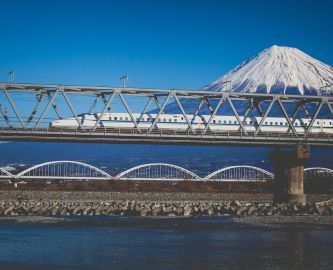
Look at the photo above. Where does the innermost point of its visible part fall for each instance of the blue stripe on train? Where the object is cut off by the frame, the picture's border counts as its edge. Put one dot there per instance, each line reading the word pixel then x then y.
pixel 211 124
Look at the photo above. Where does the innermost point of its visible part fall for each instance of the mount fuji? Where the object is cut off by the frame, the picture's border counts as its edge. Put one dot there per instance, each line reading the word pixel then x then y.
pixel 279 70
pixel 276 70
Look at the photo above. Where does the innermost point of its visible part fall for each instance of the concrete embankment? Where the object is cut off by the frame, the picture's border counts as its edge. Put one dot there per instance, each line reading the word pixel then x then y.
pixel 42 203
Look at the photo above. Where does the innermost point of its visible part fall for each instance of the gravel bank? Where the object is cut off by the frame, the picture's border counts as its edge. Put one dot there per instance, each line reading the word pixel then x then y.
pixel 60 203
pixel 94 196
pixel 142 196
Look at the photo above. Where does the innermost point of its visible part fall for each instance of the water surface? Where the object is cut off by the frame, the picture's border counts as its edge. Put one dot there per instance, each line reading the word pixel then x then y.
pixel 145 243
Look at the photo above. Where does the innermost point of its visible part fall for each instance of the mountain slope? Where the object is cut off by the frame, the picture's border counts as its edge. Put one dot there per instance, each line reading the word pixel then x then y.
pixel 277 70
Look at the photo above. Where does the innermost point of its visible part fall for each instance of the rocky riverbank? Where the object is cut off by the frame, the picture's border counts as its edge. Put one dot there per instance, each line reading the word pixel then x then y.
pixel 39 203
pixel 134 208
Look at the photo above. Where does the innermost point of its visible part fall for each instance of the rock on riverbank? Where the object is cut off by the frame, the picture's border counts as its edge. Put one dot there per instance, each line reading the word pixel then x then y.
pixel 45 203
pixel 139 208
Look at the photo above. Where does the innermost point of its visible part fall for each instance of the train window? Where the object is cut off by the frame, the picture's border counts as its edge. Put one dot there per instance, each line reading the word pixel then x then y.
pixel 224 121
pixel 251 122
pixel 266 123
pixel 235 122
pixel 169 120
pixel 182 118
pixel 159 119
pixel 276 123
pixel 271 123
pixel 331 123
pixel 296 124
pixel 115 118
pixel 164 120
pixel 175 120
pixel 137 119
pixel 219 121
pixel 110 118
pixel 126 118
pixel 281 123
pixel 317 122
pixel 214 121
pixel 230 122
pixel 120 118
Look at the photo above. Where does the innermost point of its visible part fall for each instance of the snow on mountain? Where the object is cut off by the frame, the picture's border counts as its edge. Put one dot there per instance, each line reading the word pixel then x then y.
pixel 277 70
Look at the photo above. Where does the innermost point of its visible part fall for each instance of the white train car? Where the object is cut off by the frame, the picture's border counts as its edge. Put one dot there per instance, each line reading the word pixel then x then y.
pixel 178 122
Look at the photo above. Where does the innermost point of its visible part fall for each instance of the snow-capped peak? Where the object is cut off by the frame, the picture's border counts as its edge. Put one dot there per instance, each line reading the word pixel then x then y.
pixel 277 70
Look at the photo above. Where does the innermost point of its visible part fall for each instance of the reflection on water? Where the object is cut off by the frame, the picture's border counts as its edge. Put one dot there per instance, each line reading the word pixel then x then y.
pixel 136 243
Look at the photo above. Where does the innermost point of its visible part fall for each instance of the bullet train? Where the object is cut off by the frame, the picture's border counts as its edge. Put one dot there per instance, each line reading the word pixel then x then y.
pixel 178 122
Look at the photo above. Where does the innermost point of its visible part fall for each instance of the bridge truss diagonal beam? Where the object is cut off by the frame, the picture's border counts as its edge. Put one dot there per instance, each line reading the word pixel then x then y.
pixel 105 102
pixel 129 112
pixel 330 107
pixel 209 106
pixel 197 110
pixel 54 106
pixel 103 111
pixel 11 102
pixel 237 116
pixel 246 114
pixel 184 114
pixel 70 105
pixel 49 104
pixel 5 116
pixel 93 105
pixel 159 113
pixel 314 118
pixel 213 114
pixel 145 109
pixel 265 116
pixel 286 116
pixel 157 102
pixel 294 114
pixel 40 97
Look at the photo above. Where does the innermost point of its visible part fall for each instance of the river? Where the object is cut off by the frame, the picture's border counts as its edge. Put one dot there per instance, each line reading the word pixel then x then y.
pixel 165 243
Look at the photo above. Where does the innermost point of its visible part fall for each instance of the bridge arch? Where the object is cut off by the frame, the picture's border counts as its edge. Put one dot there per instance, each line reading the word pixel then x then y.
pixel 240 173
pixel 317 172
pixel 64 169
pixel 5 174
pixel 157 171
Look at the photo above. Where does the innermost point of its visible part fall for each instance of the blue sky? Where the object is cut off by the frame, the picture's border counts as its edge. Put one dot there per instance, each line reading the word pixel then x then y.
pixel 168 44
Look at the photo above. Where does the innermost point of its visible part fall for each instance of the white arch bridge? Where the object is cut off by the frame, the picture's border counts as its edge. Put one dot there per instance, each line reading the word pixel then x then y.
pixel 74 170
pixel 318 173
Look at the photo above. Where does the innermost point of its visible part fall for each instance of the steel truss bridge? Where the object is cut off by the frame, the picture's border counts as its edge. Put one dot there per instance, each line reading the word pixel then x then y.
pixel 34 127
pixel 74 170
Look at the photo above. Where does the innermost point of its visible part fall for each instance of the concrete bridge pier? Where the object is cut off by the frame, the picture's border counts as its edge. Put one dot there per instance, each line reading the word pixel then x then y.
pixel 289 174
